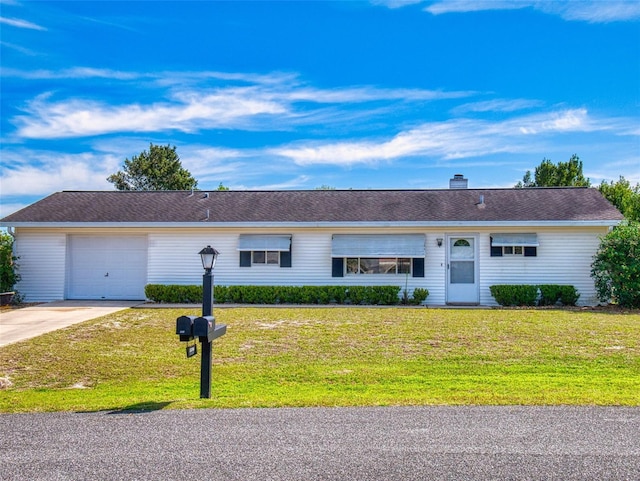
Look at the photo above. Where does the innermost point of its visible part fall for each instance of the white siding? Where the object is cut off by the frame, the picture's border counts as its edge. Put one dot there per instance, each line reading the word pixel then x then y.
pixel 434 269
pixel 564 257
pixel 42 257
pixel 173 258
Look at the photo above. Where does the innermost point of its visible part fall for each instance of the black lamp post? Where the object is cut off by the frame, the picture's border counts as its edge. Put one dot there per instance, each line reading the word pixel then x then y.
pixel 204 327
pixel 208 256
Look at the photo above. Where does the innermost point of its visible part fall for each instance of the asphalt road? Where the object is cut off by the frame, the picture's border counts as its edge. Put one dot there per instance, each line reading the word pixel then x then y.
pixel 386 444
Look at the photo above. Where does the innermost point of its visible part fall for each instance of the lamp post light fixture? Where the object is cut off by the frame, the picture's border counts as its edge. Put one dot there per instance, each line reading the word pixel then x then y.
pixel 208 255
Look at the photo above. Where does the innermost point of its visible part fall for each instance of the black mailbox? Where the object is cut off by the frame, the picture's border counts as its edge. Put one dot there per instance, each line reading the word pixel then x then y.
pixel 205 328
pixel 184 327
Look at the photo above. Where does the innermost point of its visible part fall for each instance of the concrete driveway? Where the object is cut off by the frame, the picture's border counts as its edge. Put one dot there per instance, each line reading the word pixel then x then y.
pixel 20 324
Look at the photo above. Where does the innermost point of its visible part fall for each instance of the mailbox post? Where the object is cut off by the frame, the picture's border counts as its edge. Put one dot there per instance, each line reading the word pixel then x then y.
pixel 204 327
pixel 208 256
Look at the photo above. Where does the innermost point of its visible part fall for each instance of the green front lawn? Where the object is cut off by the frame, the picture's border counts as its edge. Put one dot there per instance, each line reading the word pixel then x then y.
pixel 331 357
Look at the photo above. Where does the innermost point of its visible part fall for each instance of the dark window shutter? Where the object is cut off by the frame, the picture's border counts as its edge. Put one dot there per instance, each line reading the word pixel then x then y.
pixel 285 259
pixel 496 251
pixel 245 258
pixel 337 267
pixel 530 251
pixel 418 267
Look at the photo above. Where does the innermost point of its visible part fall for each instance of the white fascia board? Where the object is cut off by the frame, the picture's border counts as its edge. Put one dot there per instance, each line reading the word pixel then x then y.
pixel 209 225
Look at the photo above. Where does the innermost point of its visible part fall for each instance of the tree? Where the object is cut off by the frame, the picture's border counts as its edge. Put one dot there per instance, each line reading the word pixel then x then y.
pixel 616 266
pixel 623 196
pixel 564 174
pixel 8 267
pixel 158 169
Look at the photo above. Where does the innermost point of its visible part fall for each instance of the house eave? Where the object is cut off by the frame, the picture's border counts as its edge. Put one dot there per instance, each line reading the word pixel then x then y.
pixel 363 224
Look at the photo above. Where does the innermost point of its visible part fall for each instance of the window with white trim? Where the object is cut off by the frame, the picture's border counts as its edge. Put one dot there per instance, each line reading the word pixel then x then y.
pixel 381 254
pixel 256 250
pixel 512 250
pixel 379 265
pixel 514 245
pixel 265 257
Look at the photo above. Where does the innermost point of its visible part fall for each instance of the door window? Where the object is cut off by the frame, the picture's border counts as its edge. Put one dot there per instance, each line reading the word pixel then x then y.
pixel 462 264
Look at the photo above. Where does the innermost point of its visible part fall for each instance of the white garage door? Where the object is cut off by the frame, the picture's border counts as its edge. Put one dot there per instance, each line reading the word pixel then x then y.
pixel 107 267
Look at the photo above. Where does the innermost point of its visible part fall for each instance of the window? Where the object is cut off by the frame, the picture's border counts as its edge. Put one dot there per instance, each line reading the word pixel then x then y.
pixel 512 250
pixel 368 265
pixel 362 254
pixel 265 250
pixel 514 245
pixel 265 257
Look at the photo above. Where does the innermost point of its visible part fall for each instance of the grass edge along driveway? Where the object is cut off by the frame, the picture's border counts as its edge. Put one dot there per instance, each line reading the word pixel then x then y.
pixel 361 356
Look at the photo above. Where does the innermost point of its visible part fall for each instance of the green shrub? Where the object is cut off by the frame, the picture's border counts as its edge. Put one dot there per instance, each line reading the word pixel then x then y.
pixel 552 294
pixel 515 294
pixel 419 295
pixel 380 295
pixel 616 266
pixel 569 296
pixel 173 293
pixel 220 294
pixel 527 294
pixel 8 268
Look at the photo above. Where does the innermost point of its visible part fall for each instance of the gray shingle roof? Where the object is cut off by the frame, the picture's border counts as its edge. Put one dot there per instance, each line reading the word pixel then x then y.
pixel 451 205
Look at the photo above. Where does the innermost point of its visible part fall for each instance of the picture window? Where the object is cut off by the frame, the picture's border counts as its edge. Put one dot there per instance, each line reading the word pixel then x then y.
pixel 371 265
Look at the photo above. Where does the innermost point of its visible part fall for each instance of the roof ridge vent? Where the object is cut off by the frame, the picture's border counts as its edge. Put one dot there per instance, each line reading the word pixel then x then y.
pixel 458 182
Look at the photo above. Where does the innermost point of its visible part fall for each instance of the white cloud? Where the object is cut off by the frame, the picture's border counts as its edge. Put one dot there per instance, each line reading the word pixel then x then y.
pixel 17 48
pixel 41 173
pixel 593 11
pixel 69 73
pixel 370 94
pixel 464 6
pixel 10 208
pixel 498 105
pixel 452 139
pixel 585 10
pixel 395 3
pixel 189 112
pixel 19 23
pixel 295 183
pixel 277 104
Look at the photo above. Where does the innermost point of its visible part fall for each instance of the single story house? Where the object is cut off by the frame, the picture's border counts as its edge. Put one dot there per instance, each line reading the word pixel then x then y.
pixel 455 242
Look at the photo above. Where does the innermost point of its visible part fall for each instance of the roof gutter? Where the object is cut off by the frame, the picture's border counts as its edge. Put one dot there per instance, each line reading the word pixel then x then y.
pixel 411 224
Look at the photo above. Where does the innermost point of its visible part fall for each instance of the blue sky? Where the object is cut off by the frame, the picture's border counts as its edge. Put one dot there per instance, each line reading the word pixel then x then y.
pixel 298 95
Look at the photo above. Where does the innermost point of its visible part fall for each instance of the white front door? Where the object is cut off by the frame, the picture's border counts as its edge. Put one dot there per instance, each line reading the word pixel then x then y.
pixel 110 267
pixel 462 270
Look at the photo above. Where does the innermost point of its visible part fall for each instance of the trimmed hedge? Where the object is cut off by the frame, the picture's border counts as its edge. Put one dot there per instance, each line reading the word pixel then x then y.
pixel 552 294
pixel 174 294
pixel 354 295
pixel 534 295
pixel 514 295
